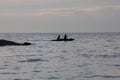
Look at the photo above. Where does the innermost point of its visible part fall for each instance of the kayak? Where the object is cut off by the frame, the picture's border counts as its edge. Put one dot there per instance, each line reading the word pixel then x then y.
pixel 70 39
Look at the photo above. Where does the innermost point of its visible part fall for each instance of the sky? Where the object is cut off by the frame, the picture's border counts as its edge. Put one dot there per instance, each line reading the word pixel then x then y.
pixel 46 16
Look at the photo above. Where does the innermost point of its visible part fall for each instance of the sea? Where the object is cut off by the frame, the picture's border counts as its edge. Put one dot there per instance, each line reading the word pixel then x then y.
pixel 91 56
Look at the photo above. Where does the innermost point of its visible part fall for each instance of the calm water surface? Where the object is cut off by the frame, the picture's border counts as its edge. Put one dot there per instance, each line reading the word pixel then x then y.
pixel 92 56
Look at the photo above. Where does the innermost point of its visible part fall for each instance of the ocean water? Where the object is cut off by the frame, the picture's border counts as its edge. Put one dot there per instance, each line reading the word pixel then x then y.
pixel 91 56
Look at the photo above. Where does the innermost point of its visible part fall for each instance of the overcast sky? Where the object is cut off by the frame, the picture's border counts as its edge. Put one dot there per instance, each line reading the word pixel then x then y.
pixel 59 16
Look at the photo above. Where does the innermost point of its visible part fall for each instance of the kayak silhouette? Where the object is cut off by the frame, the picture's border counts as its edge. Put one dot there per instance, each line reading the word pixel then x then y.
pixel 70 39
pixel 63 39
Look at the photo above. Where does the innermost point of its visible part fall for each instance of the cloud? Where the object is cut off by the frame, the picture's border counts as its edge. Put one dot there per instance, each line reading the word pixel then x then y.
pixel 62 15
pixel 97 10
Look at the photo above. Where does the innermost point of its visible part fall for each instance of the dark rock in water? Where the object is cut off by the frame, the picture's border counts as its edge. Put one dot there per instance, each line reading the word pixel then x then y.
pixel 26 43
pixel 6 42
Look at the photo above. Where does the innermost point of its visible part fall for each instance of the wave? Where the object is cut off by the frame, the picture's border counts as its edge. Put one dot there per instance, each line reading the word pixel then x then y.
pixel 102 76
pixel 32 60
pixel 108 56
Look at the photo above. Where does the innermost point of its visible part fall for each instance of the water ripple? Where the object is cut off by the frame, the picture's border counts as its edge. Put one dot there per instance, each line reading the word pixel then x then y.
pixel 87 55
pixel 102 76
pixel 3 68
pixel 108 56
pixel 32 60
pixel 36 71
pixel 22 79
pixel 84 65
pixel 116 65
pixel 8 73
pixel 53 78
